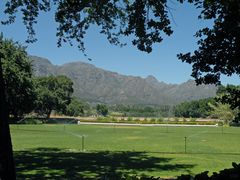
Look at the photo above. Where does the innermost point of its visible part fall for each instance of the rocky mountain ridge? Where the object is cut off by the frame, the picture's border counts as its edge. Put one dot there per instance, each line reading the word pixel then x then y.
pixel 96 85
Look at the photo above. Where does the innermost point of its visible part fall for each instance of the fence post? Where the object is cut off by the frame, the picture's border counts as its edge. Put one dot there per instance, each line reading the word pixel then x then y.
pixel 167 127
pixel 222 128
pixel 185 139
pixel 82 143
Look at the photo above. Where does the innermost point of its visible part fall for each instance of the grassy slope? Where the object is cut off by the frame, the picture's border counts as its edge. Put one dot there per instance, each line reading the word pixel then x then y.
pixel 55 150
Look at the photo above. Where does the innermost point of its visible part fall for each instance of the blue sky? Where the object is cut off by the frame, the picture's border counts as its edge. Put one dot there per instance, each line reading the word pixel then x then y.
pixel 161 63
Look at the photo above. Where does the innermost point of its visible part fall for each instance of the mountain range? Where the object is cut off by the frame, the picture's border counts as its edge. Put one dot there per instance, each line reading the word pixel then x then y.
pixel 96 85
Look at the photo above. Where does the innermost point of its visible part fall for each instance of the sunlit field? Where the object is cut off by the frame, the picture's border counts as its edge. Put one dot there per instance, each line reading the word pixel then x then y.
pixel 91 151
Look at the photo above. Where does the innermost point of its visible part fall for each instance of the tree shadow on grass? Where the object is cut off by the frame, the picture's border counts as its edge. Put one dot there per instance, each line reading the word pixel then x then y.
pixel 51 163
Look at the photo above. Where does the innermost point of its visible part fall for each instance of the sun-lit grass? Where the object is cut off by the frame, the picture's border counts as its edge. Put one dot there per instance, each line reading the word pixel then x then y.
pixel 157 151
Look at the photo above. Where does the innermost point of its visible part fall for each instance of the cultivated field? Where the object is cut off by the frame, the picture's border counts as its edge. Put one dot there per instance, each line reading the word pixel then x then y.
pixel 56 151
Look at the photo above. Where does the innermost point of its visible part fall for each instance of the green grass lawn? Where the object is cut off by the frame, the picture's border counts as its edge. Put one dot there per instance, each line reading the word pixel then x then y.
pixel 55 151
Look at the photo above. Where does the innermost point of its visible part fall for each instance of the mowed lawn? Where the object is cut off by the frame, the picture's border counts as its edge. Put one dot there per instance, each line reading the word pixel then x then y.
pixel 56 151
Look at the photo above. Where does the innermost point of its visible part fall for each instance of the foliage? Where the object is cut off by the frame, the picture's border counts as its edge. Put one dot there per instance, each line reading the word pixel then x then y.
pixel 193 109
pixel 102 109
pixel 143 111
pixel 76 108
pixel 53 93
pixel 222 111
pixel 218 51
pixel 6 152
pixel 219 47
pixel 230 174
pixel 17 74
pixel 145 19
pixel 230 95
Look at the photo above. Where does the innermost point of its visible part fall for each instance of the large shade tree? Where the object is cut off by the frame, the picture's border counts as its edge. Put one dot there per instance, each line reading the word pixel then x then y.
pixel 17 73
pixel 53 93
pixel 145 22
pixel 17 93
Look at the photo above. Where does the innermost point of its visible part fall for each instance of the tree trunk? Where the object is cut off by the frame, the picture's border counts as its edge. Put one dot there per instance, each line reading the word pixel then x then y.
pixel 7 167
pixel 49 113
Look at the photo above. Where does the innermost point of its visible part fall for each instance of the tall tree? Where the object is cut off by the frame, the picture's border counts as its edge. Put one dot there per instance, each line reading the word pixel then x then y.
pixel 17 72
pixel 7 170
pixel 53 93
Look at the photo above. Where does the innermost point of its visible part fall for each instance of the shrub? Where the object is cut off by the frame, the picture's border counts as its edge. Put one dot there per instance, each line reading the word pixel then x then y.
pixel 129 119
pixel 176 119
pixel 226 174
pixel 153 120
pixel 193 119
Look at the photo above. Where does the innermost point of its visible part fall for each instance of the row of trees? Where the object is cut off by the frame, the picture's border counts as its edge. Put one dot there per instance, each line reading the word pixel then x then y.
pixel 142 111
pixel 52 93
pixel 195 109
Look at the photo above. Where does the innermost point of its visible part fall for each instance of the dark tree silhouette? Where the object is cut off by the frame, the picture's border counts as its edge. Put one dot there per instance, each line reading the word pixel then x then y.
pixel 144 19
pixel 219 46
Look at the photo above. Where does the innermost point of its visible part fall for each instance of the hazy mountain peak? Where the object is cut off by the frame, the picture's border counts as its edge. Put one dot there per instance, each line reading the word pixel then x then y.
pixel 78 63
pixel 151 78
pixel 96 85
pixel 40 60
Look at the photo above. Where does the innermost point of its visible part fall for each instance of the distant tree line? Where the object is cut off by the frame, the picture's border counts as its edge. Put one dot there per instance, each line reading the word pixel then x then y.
pixel 196 109
pixel 224 106
pixel 143 110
